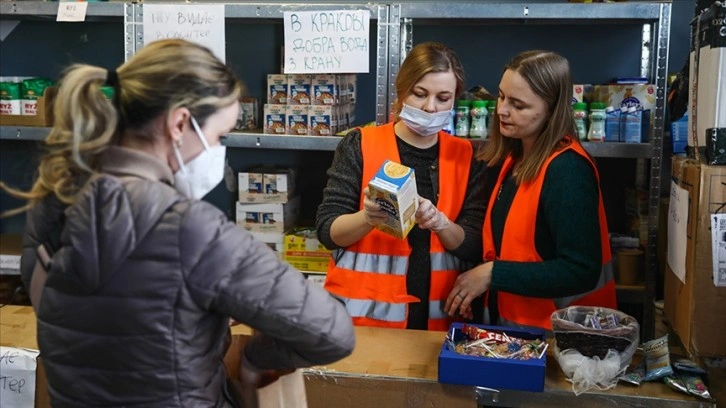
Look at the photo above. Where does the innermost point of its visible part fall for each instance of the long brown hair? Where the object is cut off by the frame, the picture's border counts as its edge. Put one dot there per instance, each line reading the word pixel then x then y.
pixel 548 74
pixel 423 59
pixel 161 77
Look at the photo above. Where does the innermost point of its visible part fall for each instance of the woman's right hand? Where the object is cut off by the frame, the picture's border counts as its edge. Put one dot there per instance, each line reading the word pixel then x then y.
pixel 372 211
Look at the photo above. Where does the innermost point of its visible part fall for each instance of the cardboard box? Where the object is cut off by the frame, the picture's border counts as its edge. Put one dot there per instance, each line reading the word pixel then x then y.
pixel 275 119
pixel 268 217
pixel 44 116
pixel 394 189
pixel 325 89
pixel 277 90
pixel 297 120
pixel 695 307
pixel 316 278
pixel 299 88
pixel 498 373
pixel 578 92
pixel 303 251
pixel 266 185
pixel 248 117
pixel 322 121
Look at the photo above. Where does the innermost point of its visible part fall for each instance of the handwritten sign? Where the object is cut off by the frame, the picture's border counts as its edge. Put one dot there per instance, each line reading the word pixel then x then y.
pixel 17 377
pixel 202 24
pixel 327 41
pixel 72 11
pixel 677 233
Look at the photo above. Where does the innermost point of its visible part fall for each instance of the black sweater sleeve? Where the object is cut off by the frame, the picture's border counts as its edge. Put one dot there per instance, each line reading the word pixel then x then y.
pixel 471 216
pixel 569 208
pixel 342 193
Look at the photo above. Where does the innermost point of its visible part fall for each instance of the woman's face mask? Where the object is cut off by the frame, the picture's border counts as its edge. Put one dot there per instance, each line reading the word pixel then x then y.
pixel 422 122
pixel 198 177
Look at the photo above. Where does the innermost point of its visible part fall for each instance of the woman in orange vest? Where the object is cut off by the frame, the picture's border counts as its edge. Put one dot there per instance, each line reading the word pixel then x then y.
pixel 403 283
pixel 545 234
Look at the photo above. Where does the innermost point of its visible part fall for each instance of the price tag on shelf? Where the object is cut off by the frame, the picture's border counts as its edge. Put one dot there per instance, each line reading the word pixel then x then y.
pixel 72 11
pixel 325 42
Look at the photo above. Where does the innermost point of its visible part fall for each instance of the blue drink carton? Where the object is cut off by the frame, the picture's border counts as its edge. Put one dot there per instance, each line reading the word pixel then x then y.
pixel 394 189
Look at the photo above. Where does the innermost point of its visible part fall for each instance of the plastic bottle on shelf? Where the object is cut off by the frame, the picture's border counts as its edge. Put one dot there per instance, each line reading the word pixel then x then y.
pixel 579 111
pixel 478 129
pixel 491 111
pixel 612 124
pixel 462 118
pixel 596 133
pixel 449 128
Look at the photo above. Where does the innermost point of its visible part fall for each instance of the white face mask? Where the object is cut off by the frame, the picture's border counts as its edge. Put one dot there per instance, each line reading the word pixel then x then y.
pixel 198 177
pixel 422 122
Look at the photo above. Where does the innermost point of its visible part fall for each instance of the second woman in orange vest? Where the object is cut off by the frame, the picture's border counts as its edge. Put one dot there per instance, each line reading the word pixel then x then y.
pixel 390 282
pixel 545 234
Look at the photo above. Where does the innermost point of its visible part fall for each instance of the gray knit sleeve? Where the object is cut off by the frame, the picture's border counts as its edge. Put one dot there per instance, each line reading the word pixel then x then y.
pixel 342 193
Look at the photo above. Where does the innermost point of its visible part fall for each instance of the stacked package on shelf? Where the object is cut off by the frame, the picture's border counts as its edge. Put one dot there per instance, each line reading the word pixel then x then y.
pixel 303 251
pixel 708 77
pixel 632 99
pixel 25 101
pixel 267 206
pixel 317 105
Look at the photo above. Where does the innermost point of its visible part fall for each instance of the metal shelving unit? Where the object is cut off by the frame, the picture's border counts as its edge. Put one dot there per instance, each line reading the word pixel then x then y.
pixel 655 20
pixel 15 9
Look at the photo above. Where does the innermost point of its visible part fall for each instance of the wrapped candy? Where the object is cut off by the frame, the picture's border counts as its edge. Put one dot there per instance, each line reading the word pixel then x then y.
pixel 487 343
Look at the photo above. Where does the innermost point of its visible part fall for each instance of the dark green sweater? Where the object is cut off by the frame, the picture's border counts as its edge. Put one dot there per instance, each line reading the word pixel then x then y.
pixel 567 233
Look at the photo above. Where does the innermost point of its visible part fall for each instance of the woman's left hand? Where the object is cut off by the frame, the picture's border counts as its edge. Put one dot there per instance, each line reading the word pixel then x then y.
pixel 468 286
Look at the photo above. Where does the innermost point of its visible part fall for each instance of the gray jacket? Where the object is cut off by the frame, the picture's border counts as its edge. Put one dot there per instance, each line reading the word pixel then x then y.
pixel 136 307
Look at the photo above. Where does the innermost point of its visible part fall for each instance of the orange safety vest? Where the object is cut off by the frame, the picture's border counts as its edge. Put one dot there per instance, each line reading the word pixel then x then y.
pixel 518 244
pixel 370 275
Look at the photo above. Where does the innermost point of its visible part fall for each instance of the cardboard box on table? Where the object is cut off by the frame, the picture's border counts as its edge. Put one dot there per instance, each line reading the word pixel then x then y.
pixel 695 308
pixel 44 116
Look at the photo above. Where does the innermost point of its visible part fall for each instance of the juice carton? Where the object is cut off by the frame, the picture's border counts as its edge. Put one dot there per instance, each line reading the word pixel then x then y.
pixel 394 189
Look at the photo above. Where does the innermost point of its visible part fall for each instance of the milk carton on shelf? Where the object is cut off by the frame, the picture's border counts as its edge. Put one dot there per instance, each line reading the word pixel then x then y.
pixel 394 189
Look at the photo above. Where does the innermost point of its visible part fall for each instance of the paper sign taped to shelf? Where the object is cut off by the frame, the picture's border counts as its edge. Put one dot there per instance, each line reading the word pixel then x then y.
pixel 17 377
pixel 677 233
pixel 325 42
pixel 718 236
pixel 202 24
pixel 72 11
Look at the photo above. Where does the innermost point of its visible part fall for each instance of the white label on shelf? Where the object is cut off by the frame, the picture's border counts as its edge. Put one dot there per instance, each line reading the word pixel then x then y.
pixel 72 11
pixel 718 236
pixel 202 24
pixel 322 42
pixel 11 262
pixel 677 234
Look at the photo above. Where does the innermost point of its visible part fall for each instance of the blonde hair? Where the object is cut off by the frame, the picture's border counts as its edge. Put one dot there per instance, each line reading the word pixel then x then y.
pixel 548 74
pixel 161 77
pixel 423 59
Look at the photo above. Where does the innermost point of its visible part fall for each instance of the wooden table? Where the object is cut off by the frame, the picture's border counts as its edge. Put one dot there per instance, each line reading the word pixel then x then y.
pixel 398 368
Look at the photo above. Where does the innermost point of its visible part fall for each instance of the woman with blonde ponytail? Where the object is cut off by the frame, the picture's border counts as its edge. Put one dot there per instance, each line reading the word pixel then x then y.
pixel 142 276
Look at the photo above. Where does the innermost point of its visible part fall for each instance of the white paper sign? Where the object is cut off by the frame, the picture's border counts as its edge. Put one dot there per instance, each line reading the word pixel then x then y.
pixel 677 231
pixel 322 42
pixel 72 11
pixel 718 237
pixel 202 24
pixel 17 377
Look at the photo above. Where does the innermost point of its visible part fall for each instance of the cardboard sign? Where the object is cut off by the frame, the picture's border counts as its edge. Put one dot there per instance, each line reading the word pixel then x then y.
pixel 17 377
pixel 327 41
pixel 202 24
pixel 72 11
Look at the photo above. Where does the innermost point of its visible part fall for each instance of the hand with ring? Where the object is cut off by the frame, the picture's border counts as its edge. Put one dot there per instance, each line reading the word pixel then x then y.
pixel 467 287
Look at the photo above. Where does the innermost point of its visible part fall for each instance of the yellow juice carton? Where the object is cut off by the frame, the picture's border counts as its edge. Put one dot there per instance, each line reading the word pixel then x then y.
pixel 394 189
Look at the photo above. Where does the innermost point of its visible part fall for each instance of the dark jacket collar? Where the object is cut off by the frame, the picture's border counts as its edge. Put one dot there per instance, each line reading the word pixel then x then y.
pixel 121 161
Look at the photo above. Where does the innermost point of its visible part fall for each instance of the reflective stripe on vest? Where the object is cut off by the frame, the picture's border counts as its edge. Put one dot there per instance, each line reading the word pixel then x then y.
pixel 370 275
pixel 518 244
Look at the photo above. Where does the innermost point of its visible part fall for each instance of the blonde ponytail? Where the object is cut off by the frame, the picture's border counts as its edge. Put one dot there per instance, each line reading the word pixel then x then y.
pixel 85 122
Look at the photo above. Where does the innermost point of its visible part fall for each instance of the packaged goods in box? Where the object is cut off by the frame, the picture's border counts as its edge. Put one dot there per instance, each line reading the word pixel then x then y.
pixel 303 251
pixel 297 120
pixel 274 240
pixel 275 116
pixel 639 96
pixel 322 121
pixel 248 117
pixel 692 304
pixel 43 106
pixel 578 92
pixel 299 88
pixel 266 185
pixel 493 372
pixel 325 89
pixel 268 217
pixel 277 89
pixel 394 189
